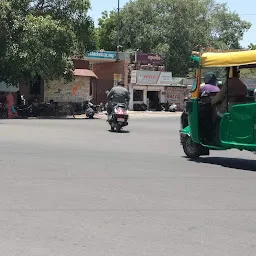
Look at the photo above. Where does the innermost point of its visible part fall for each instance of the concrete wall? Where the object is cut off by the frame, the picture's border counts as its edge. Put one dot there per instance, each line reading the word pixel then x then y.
pixel 60 91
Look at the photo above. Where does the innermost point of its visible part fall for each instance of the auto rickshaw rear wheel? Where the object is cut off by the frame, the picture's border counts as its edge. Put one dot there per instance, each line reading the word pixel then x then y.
pixel 191 149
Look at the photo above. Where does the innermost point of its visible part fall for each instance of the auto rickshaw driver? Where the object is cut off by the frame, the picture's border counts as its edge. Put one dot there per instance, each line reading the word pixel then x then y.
pixel 232 92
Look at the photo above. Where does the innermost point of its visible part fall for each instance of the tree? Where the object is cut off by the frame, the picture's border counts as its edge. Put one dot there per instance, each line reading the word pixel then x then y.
pixel 106 32
pixel 252 46
pixel 227 28
pixel 173 28
pixel 71 13
pixel 40 38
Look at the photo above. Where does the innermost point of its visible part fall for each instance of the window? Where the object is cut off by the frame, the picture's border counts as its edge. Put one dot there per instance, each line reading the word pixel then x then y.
pixel 138 95
pixel 220 73
pixel 194 85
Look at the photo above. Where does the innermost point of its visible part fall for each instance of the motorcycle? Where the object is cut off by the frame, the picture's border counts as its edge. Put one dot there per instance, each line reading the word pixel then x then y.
pixel 3 111
pixel 173 108
pixel 119 117
pixel 89 111
pixel 24 111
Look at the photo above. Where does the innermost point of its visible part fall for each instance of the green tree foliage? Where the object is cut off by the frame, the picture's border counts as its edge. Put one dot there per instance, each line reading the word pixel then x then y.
pixel 40 37
pixel 227 28
pixel 71 13
pixel 173 28
pixel 252 46
pixel 107 32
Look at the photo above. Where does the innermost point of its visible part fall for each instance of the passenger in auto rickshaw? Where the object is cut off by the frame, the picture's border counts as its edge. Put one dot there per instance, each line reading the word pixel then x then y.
pixel 210 85
pixel 206 121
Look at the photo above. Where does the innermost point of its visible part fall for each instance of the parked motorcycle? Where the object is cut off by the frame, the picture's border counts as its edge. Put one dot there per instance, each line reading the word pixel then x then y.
pixel 3 111
pixel 119 117
pixel 173 107
pixel 89 112
pixel 24 111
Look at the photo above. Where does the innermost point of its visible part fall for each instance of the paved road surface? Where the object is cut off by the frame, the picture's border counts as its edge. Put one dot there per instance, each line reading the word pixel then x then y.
pixel 71 188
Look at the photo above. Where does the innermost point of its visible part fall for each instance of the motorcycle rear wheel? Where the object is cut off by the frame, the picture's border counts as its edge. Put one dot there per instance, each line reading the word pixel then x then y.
pixel 112 127
pixel 118 128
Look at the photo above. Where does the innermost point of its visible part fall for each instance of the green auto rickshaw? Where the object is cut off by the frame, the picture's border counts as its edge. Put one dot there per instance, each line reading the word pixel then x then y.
pixel 236 127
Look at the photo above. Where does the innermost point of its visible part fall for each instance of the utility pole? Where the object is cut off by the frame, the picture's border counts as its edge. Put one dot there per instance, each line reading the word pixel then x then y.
pixel 118 34
pixel 118 24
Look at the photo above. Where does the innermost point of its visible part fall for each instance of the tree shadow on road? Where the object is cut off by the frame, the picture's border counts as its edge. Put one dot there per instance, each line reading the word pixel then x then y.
pixel 233 163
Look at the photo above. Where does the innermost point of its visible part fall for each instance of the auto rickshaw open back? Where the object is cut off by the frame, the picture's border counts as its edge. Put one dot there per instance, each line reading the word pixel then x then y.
pixel 236 128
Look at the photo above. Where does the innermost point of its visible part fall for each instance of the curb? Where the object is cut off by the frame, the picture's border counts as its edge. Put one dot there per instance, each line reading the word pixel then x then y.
pixel 137 115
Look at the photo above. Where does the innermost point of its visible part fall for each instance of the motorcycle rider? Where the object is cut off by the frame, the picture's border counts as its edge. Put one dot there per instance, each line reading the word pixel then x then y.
pixel 117 94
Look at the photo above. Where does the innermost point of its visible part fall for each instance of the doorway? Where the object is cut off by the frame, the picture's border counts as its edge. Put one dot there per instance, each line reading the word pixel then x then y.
pixel 153 100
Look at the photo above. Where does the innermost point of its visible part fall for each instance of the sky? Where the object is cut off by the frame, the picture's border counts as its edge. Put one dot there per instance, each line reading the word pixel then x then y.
pixel 245 8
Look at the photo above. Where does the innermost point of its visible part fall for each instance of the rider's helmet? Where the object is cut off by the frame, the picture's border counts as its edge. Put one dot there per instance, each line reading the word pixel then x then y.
pixel 120 83
pixel 210 78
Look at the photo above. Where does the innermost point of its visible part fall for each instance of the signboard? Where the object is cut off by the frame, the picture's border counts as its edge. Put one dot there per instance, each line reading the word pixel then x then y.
pixel 165 78
pixel 154 78
pixel 149 58
pixel 8 88
pixel 117 77
pixel 102 55
pixel 147 77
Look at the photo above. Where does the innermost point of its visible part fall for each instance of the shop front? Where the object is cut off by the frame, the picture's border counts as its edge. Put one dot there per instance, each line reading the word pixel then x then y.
pixel 148 89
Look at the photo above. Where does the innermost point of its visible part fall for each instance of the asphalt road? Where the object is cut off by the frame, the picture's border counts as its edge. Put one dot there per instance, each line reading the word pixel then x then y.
pixel 72 188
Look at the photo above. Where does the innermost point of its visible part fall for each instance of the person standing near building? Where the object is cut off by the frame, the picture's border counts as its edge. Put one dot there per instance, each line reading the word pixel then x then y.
pixel 10 106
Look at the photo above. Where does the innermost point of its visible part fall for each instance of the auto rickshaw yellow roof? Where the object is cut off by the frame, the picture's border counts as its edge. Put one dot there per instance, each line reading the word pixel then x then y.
pixel 228 59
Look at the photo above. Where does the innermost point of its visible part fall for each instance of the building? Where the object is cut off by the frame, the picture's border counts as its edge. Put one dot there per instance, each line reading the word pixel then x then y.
pixel 109 68
pixel 146 81
pixel 78 90
pixel 151 86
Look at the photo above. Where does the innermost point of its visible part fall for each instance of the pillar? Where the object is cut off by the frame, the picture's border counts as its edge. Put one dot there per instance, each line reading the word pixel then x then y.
pixel 145 95
pixel 131 96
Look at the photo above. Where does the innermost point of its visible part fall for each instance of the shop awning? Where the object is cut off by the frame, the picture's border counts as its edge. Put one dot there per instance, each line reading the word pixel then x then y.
pixel 85 73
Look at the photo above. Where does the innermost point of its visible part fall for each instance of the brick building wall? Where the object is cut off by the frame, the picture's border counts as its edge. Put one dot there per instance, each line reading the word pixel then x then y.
pixel 81 64
pixel 177 94
pixel 105 73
